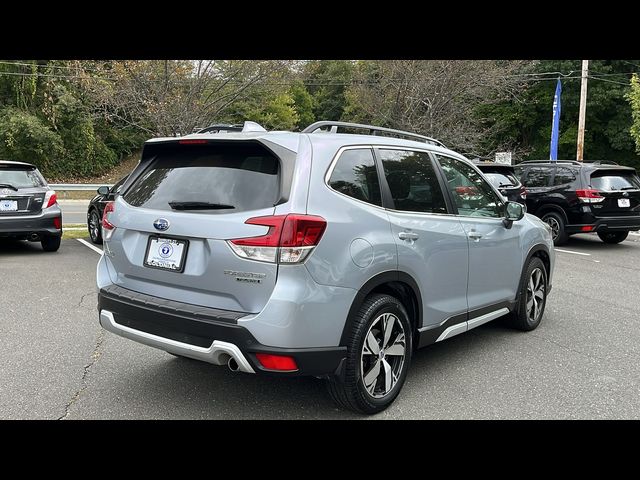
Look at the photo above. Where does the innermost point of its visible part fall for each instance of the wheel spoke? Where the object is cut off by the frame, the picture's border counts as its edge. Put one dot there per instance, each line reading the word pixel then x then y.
pixel 371 346
pixel 529 305
pixel 388 322
pixel 388 377
pixel 539 294
pixel 371 378
pixel 397 348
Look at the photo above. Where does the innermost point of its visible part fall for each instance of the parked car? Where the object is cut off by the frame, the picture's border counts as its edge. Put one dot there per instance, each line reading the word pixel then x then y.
pixel 504 178
pixel 28 207
pixel 576 197
pixel 96 209
pixel 316 253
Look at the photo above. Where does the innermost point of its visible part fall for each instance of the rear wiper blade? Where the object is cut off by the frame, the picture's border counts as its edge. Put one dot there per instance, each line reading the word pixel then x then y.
pixel 506 185
pixel 623 188
pixel 199 206
pixel 8 185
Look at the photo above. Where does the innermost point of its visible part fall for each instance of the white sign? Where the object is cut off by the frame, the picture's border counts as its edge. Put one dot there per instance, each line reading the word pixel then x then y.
pixel 503 157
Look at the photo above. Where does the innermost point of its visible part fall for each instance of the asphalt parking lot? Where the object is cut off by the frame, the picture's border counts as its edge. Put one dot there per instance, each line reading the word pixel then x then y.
pixel 582 362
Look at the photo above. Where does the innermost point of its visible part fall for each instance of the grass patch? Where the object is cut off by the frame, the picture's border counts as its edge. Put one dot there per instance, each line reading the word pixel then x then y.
pixel 71 234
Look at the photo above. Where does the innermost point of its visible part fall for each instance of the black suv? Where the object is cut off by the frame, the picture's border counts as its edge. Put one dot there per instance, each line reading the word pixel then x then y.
pixel 503 177
pixel 28 207
pixel 576 197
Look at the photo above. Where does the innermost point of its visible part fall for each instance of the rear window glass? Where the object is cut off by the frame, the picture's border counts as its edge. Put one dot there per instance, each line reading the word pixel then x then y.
pixel 501 179
pixel 563 176
pixel 355 175
pixel 20 178
pixel 608 181
pixel 208 179
pixel 538 177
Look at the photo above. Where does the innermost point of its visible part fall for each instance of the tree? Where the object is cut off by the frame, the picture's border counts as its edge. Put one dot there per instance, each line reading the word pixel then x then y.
pixel 327 82
pixel 633 97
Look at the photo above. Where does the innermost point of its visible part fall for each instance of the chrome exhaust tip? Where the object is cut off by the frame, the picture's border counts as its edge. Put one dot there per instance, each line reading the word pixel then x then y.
pixel 232 364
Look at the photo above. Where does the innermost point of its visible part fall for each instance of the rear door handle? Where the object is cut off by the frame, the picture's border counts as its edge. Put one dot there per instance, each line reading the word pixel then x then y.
pixel 475 235
pixel 408 236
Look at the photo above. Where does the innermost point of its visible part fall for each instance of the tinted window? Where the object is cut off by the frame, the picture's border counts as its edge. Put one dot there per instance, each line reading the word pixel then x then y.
pixel 116 188
pixel 563 176
pixel 471 193
pixel 20 177
pixel 538 177
pixel 503 179
pixel 413 182
pixel 607 181
pixel 355 175
pixel 229 178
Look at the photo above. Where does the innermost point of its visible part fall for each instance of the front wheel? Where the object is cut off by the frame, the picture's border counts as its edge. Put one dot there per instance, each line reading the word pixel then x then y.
pixel 378 356
pixel 533 297
pixel 94 227
pixel 50 243
pixel 613 237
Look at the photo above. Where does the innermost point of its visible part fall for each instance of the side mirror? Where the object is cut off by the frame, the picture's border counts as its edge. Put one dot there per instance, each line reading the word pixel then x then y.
pixel 103 191
pixel 514 211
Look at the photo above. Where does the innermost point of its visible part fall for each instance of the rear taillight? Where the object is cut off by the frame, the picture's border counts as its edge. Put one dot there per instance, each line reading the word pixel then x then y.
pixel 57 222
pixel 50 199
pixel 283 363
pixel 523 193
pixel 589 195
pixel 108 208
pixel 290 238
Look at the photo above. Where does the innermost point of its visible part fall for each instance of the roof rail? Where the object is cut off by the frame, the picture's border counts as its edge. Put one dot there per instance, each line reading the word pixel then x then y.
pixel 247 126
pixel 572 162
pixel 333 128
pixel 603 162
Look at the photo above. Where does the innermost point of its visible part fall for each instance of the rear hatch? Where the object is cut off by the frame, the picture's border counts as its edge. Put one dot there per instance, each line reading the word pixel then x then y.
pixel 620 189
pixel 173 222
pixel 22 190
pixel 505 180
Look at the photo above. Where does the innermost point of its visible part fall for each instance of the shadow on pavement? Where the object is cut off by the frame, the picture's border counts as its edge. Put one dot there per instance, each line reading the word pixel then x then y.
pixel 11 246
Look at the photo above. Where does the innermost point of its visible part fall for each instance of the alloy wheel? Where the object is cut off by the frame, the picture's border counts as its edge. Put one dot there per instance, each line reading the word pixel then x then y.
pixel 94 226
pixel 535 295
pixel 555 226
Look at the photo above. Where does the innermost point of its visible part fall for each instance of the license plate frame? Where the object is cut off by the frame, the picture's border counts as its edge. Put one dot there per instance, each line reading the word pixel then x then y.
pixel 8 205
pixel 624 202
pixel 157 242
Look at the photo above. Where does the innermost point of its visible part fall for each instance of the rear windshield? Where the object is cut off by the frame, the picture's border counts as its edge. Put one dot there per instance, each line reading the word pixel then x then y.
pixel 208 179
pixel 501 179
pixel 20 177
pixel 608 181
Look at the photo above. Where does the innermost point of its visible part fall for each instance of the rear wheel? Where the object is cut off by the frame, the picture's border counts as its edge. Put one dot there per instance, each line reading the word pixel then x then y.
pixel 613 237
pixel 50 243
pixel 379 352
pixel 533 297
pixel 93 226
pixel 556 222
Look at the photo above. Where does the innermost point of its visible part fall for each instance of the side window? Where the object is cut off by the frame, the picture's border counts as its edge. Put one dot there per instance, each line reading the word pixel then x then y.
pixel 355 175
pixel 538 177
pixel 563 176
pixel 471 193
pixel 412 181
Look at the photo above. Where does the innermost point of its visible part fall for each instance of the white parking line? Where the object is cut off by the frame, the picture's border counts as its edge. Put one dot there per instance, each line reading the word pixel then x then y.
pixel 575 253
pixel 92 247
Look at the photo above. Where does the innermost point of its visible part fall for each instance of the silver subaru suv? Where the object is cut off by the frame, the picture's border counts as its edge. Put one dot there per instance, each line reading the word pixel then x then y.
pixel 326 252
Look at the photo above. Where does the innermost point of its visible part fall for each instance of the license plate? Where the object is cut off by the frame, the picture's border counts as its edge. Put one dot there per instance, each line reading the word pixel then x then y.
pixel 624 202
pixel 166 253
pixel 8 205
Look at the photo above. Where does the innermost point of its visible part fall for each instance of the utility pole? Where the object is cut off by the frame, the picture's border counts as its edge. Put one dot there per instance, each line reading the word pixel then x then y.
pixel 583 109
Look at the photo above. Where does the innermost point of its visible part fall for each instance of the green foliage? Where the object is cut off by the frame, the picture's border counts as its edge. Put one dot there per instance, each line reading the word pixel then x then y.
pixel 277 113
pixel 633 96
pixel 327 82
pixel 303 104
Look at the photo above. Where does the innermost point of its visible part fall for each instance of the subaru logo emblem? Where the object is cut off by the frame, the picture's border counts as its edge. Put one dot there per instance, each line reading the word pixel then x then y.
pixel 161 224
pixel 6 191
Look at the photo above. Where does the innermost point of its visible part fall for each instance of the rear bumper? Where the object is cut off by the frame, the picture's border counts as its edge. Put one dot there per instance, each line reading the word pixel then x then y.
pixel 24 225
pixel 205 334
pixel 608 224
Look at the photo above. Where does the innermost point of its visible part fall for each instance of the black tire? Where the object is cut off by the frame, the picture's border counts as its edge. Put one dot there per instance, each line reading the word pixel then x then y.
pixel 613 237
pixel 556 222
pixel 350 392
pixel 94 233
pixel 521 316
pixel 50 243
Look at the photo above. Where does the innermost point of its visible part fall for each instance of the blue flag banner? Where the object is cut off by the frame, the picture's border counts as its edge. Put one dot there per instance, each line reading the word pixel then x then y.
pixel 555 124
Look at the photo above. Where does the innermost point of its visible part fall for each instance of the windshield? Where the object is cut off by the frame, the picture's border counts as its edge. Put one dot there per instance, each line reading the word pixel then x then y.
pixel 608 181
pixel 20 178
pixel 209 179
pixel 501 179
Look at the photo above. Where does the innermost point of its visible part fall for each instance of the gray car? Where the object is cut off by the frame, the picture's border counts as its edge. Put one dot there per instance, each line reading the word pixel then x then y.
pixel 317 253
pixel 28 207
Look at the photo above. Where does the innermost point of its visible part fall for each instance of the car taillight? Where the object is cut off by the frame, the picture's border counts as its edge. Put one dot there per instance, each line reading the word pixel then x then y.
pixel 290 238
pixel 50 199
pixel 108 208
pixel 589 195
pixel 57 223
pixel 284 363
pixel 523 193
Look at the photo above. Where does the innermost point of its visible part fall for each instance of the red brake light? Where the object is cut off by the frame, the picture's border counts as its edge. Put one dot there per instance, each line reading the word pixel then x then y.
pixel 589 195
pixel 194 141
pixel 57 222
pixel 523 193
pixel 50 199
pixel 108 208
pixel 586 228
pixel 277 362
